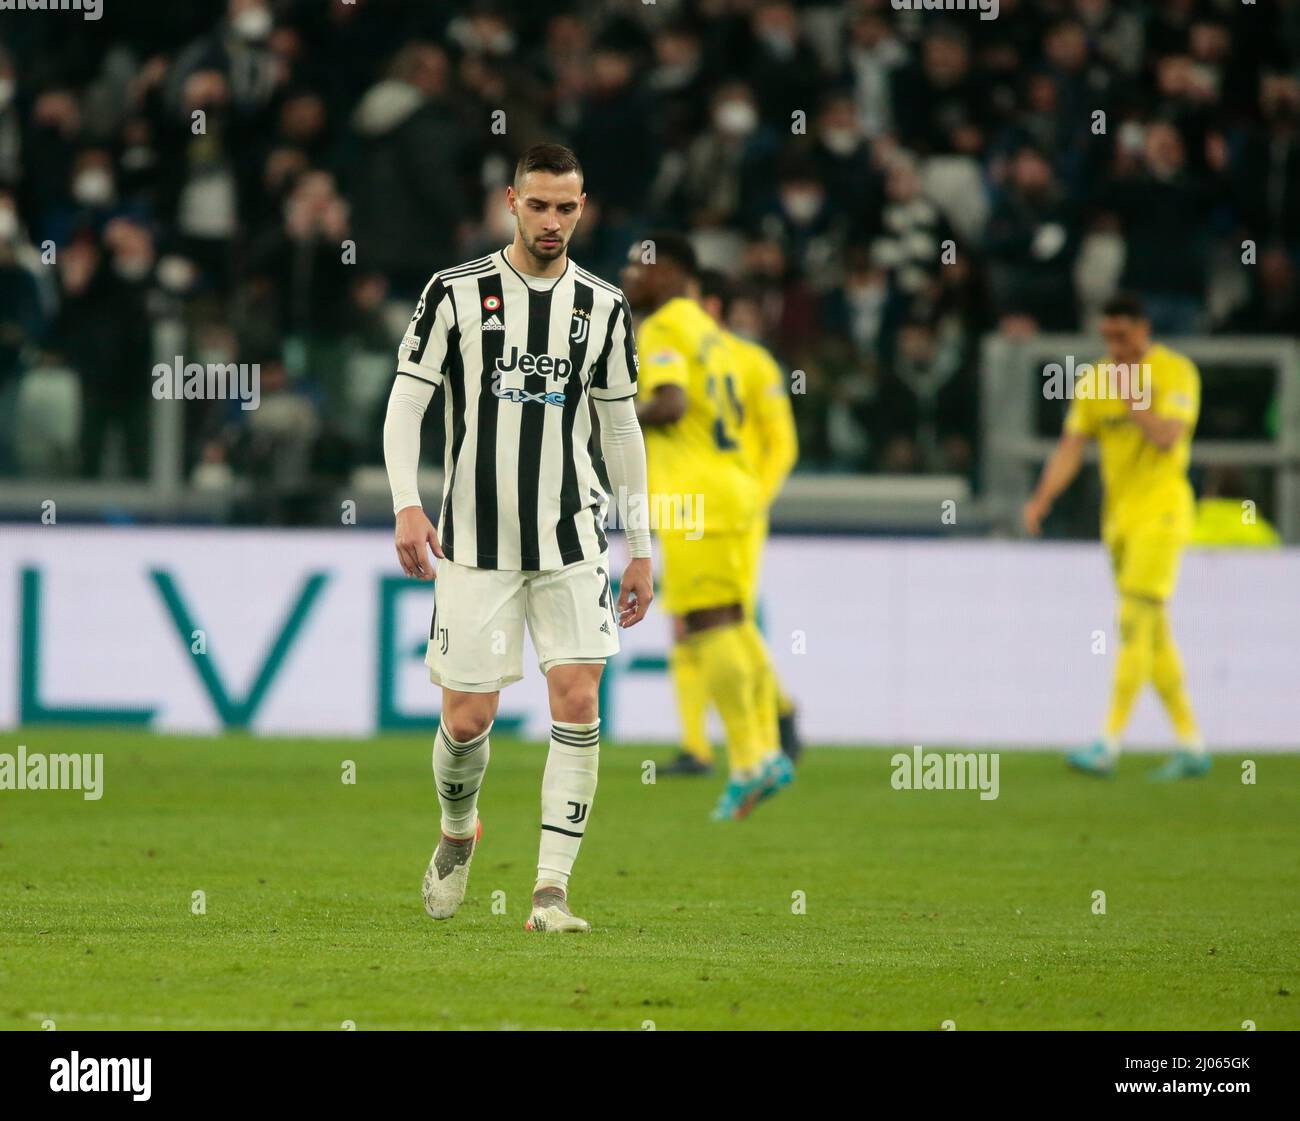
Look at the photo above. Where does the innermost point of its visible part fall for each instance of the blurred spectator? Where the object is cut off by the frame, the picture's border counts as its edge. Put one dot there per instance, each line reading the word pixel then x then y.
pixel 615 108
pixel 1162 209
pixel 406 189
pixel 1274 304
pixel 11 136
pixel 1268 170
pixel 909 237
pixel 873 56
pixel 938 103
pixel 1031 241
pixel 305 264
pixel 728 165
pixel 104 331
pixel 782 68
pixel 23 322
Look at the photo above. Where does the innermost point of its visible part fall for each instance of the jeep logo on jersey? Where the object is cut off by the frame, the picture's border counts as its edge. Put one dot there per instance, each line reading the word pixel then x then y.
pixel 523 363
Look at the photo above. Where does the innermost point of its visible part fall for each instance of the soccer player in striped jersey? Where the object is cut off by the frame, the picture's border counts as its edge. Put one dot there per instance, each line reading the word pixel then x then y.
pixel 697 465
pixel 523 343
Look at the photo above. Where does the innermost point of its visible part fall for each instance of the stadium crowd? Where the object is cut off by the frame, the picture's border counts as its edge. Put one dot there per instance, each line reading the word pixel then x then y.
pixel 822 154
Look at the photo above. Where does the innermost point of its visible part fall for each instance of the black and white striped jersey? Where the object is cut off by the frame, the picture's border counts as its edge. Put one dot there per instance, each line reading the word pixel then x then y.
pixel 517 357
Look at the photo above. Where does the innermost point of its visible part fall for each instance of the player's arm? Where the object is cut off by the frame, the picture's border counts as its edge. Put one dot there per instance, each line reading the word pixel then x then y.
pixel 1169 410
pixel 1058 473
pixel 663 399
pixel 1063 465
pixel 419 372
pixel 1163 431
pixel 777 431
pixel 666 405
pixel 613 394
pixel 623 448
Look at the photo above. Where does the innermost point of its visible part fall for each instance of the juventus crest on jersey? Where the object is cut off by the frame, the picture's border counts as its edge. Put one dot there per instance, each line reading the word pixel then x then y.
pixel 517 357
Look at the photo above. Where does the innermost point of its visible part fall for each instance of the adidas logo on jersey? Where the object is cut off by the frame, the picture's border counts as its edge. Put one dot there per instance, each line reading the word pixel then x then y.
pixel 493 323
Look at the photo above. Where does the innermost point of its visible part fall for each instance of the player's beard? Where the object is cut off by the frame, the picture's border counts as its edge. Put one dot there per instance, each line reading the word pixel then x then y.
pixel 541 252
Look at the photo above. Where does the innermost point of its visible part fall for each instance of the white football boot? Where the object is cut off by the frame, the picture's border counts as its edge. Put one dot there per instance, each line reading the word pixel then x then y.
pixel 551 914
pixel 448 874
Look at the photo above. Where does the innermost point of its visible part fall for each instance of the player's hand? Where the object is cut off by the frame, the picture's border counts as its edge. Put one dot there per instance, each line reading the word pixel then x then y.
pixel 1032 517
pixel 635 592
pixel 414 533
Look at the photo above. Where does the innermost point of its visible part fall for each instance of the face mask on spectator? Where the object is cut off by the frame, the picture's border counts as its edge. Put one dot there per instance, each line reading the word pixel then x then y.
pixel 801 205
pixel 841 141
pixel 253 24
pixel 138 158
pixel 780 43
pixel 1132 137
pixel 93 187
pixel 132 268
pixel 176 274
pixel 6 92
pixel 736 118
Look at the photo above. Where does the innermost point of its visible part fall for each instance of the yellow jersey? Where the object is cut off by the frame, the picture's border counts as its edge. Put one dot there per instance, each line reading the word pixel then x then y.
pixel 764 418
pixel 700 457
pixel 1223 523
pixel 1144 487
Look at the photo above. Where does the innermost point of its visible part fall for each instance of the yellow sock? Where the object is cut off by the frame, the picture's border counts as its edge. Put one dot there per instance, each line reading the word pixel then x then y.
pixel 1167 676
pixel 1137 630
pixel 732 680
pixel 692 694
pixel 765 691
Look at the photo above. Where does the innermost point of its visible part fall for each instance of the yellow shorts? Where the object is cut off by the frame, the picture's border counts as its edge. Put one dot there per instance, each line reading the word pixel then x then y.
pixel 711 571
pixel 1146 564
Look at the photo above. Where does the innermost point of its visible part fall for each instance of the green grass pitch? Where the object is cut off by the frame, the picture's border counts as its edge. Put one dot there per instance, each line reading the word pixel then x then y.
pixel 920 907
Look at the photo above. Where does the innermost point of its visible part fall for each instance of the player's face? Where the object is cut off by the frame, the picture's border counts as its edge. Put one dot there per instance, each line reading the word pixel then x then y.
pixel 1126 338
pixel 546 209
pixel 648 286
pixel 635 280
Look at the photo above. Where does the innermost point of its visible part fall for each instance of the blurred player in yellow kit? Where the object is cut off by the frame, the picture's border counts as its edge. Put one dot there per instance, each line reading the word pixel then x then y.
pixel 1140 405
pixel 705 496
pixel 762 419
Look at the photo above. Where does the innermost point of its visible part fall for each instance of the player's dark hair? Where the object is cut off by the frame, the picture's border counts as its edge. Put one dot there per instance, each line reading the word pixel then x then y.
pixel 1125 304
pixel 553 158
pixel 715 284
pixel 671 246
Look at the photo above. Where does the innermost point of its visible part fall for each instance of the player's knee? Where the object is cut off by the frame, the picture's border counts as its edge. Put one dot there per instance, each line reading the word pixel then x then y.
pixel 468 718
pixel 576 700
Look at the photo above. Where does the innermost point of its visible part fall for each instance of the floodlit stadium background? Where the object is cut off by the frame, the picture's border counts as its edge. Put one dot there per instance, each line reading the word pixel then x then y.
pixel 823 154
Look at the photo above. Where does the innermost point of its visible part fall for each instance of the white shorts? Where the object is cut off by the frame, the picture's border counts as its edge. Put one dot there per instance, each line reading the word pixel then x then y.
pixel 476 638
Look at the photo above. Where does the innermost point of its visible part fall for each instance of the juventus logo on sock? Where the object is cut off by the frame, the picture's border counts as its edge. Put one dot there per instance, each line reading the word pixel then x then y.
pixel 568 790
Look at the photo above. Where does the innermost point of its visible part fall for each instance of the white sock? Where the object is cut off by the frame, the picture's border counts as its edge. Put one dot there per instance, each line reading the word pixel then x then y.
pixel 458 771
pixel 568 788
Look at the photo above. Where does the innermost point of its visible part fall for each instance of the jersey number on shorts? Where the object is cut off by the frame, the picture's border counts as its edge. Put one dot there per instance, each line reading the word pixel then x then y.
pixel 606 594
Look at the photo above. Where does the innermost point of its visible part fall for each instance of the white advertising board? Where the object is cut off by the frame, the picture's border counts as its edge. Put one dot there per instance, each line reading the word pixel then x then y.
pixel 926 641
